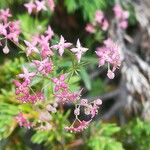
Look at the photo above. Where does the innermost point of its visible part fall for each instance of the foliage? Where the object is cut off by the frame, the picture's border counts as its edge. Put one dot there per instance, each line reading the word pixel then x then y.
pixel 102 137
pixel 87 7
pixel 136 135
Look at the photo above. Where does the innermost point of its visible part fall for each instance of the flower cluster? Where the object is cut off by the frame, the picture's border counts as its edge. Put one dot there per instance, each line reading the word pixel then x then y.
pixel 99 21
pixel 8 29
pixel 39 5
pixel 42 52
pixel 62 92
pixel 121 15
pixel 109 54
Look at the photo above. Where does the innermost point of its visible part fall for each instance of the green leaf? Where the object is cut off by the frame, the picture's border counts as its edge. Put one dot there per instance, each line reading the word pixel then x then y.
pixel 86 79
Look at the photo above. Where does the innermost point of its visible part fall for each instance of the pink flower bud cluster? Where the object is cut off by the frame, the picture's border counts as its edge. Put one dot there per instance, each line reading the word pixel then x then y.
pixel 8 29
pixel 109 54
pixel 99 21
pixel 39 5
pixel 121 15
pixel 89 109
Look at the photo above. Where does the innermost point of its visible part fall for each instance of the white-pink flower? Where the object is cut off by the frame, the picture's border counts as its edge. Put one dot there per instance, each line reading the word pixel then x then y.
pixel 79 50
pixel 61 45
pixel 30 7
pixel 40 5
pixel 30 48
pixel 49 32
pixel 26 75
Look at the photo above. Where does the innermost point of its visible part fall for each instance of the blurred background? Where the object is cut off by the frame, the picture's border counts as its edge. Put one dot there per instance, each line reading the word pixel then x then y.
pixel 123 121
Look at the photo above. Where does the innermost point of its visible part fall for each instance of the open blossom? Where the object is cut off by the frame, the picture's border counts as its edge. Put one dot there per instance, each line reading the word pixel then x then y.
pixel 61 45
pixel 30 48
pixel 21 87
pixel 26 75
pixel 4 15
pixel 79 50
pixel 36 6
pixel 121 15
pixel 22 121
pixel 49 32
pixel 109 53
pixel 44 67
pixel 40 5
pixel 30 7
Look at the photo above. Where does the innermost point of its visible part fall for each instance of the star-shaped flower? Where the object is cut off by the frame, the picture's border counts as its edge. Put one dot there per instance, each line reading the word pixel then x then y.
pixel 30 6
pixel 30 48
pixel 40 5
pixel 49 32
pixel 79 50
pixel 61 45
pixel 5 14
pixel 26 75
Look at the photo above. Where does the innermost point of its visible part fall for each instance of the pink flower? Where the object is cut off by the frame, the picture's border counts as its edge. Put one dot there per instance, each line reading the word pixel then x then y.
pixel 79 50
pixel 3 30
pixel 26 75
pixel 30 48
pixel 21 87
pixel 4 15
pixel 22 121
pixel 90 28
pixel 60 83
pixel 82 125
pixel 67 96
pixel 40 5
pixel 121 15
pixel 28 98
pixel 105 25
pixel 99 16
pixel 14 31
pixel 118 11
pixel 30 7
pixel 49 32
pixel 101 20
pixel 61 45
pixel 44 67
pixel 51 4
pixel 109 53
